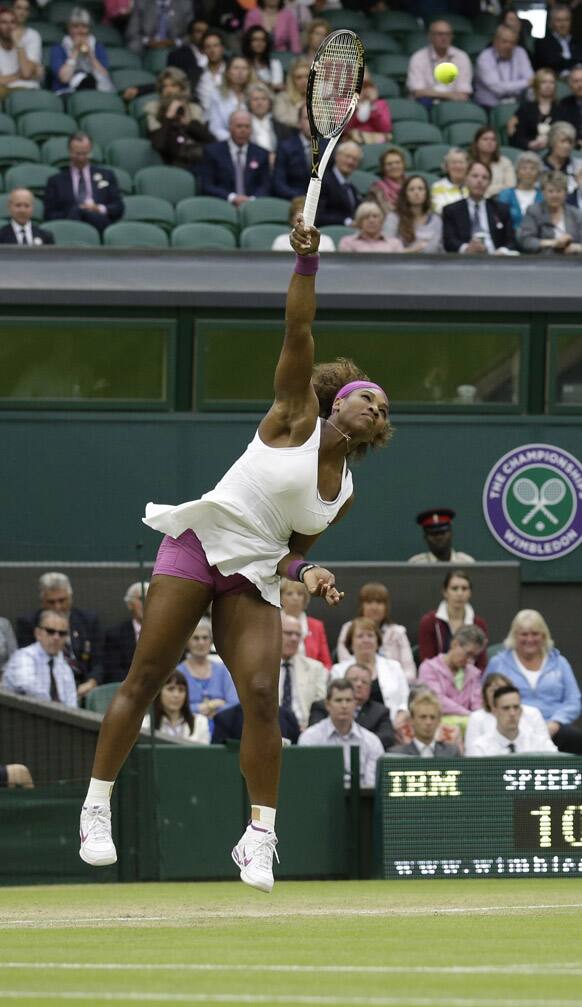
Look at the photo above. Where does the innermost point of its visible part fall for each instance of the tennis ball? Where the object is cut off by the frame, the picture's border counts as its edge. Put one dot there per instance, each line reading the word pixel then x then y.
pixel 445 73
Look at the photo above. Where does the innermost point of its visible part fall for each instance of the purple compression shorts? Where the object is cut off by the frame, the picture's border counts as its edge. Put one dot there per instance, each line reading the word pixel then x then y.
pixel 184 557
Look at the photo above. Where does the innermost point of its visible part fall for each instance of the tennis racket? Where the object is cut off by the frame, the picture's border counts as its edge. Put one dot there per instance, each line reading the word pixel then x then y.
pixel 333 92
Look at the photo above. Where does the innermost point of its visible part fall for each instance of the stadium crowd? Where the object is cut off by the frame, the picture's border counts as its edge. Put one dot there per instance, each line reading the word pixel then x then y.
pixel 157 122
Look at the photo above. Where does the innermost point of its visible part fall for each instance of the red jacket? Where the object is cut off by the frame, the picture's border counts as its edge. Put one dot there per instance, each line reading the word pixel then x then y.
pixel 316 645
pixel 434 637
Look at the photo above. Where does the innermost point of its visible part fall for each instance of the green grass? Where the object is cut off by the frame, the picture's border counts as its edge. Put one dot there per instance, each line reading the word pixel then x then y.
pixel 485 943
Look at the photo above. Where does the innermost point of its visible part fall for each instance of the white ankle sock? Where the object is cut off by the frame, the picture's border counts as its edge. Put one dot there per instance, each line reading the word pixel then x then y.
pixel 261 815
pixel 99 791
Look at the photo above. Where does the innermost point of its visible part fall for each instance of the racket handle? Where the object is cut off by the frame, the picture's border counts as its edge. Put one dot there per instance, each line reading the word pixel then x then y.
pixel 311 201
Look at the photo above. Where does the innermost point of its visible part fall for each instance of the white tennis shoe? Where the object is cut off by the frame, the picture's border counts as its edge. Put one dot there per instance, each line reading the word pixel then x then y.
pixel 97 846
pixel 253 854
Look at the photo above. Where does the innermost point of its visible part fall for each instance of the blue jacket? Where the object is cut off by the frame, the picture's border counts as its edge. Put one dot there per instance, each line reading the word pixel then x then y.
pixel 216 171
pixel 557 695
pixel 291 174
pixel 58 57
pixel 508 197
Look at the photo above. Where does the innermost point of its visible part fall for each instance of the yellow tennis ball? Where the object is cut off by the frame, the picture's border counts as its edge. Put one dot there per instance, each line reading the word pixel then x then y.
pixel 445 73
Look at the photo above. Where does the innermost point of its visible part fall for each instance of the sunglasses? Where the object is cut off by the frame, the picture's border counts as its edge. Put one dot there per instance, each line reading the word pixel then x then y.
pixel 55 632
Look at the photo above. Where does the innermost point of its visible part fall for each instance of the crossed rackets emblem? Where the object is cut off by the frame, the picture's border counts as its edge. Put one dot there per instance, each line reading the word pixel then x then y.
pixel 539 499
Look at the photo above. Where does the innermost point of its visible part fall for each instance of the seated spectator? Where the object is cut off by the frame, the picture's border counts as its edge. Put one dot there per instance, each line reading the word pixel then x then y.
pixel 210 686
pixel 425 722
pixel 558 51
pixel 40 670
pixel 413 221
pixel 451 186
pixel 389 684
pixel 454 676
pixel 510 736
pixel 83 645
pixel 552 226
pixel 121 640
pixel 294 601
pixel 266 132
pixel 279 21
pixel 392 171
pixel 371 122
pixel 568 109
pixel 235 169
pixel 485 149
pixel 281 242
pixel 340 728
pixel 180 140
pixel 339 198
pixel 228 726
pixel 20 230
pixel 292 169
pixel 28 38
pixel 189 57
pixel 230 97
pixel 374 603
pixel 170 83
pixel 7 641
pixel 302 680
pixel 213 76
pixel 374 716
pixel 437 628
pixel 561 142
pixel 521 29
pixel 256 48
pixel 83 191
pixel 316 31
pixel 530 126
pixel 575 198
pixel 18 68
pixel 173 716
pixel 369 222
pixel 543 676
pixel 420 80
pixel 476 225
pixel 503 70
pixel 526 192
pixel 157 24
pixel 79 62
pixel 291 99
pixel 482 722
pixel 437 530
pixel 15 775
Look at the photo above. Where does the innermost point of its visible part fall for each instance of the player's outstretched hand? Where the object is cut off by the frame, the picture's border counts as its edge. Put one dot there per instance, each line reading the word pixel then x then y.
pixel 321 584
pixel 304 240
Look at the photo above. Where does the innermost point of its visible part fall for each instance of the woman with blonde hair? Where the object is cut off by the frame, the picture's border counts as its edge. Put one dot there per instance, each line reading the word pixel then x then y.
pixel 314 34
pixel 369 221
pixel 561 142
pixel 375 603
pixel 543 676
pixel 289 102
pixel 530 125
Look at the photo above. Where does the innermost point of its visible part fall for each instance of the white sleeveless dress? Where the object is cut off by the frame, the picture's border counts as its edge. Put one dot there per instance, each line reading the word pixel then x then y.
pixel 246 521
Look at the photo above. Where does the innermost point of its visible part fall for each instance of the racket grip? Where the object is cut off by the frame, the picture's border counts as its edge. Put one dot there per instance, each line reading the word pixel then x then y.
pixel 311 201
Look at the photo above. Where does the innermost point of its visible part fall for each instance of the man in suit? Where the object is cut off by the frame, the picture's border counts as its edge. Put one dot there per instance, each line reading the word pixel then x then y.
pixel 570 108
pixel 189 57
pixel 558 51
pixel 83 191
pixel 228 725
pixel 302 680
pixel 120 640
pixel 20 230
pixel 292 169
pixel 235 169
pixel 157 24
pixel 478 226
pixel 375 717
pixel 339 197
pixel 425 715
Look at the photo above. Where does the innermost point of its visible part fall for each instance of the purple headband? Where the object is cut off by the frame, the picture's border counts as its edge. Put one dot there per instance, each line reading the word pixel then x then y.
pixel 354 385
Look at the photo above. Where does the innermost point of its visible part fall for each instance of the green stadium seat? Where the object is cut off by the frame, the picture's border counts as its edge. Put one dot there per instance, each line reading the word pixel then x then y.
pixel 430 158
pixel 362 181
pixel 395 21
pixel 372 152
pixel 20 102
pixel 59 11
pixel 203 237
pixel 485 24
pixel 406 108
pixel 104 127
pixel 50 33
pixel 460 134
pixel 173 184
pixel 124 180
pixel 40 126
pixel 387 86
pixel 123 59
pixel 354 19
pixel 459 23
pixel 98 700
pixel 1 184
pixel 208 210
pixel 337 231
pixel 562 89
pixel 17 148
pixel 155 60
pixel 390 65
pixel 132 155
pixel 499 117
pixel 429 177
pixel 448 112
pixel 55 151
pixel 7 124
pixel 377 42
pixel 416 134
pixel 108 35
pixel 88 102
pixel 28 176
pixel 123 79
pixel 73 233
pixel 413 41
pixel 260 237
pixel 285 58
pixel 135 234
pixel 474 44
pixel 37 213
pixel 511 152
pixel 150 210
pixel 136 107
pixel 267 210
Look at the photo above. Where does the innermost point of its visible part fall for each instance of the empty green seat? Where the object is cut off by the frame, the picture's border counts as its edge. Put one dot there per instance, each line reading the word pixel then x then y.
pixel 124 59
pixel 37 212
pixel 19 102
pixel 208 210
pixel 448 112
pixel 430 158
pixel 17 148
pixel 104 127
pixel 396 22
pixel 59 11
pixel 173 184
pixel 511 152
pixel 55 151
pixel 28 176
pixel 50 33
pixel 387 86
pixel 499 117
pixel 150 210
pixel 131 78
pixel 88 102
pixel 267 210
pixel 285 58
pixel 391 65
pixel 124 180
pixel 406 108
pixel 260 237
pixel 98 700
pixel 155 60
pixel 354 19
pixel 40 126
pixel 459 23
pixel 132 155
pixel 377 42
pixel 416 134
pixel 73 233
pixel 362 181
pixel 337 231
pixel 203 237
pixel 107 35
pixel 372 152
pixel 135 234
pixel 460 134
pixel 474 44
pixel 7 125
pixel 414 41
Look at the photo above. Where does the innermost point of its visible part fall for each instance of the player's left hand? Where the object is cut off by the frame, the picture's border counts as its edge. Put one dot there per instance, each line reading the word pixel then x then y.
pixel 304 240
pixel 321 584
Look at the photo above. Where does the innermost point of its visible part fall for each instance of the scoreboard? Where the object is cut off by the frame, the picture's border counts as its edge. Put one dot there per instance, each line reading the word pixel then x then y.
pixel 474 818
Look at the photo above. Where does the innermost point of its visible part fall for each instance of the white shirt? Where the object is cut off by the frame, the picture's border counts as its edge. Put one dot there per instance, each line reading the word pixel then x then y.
pixel 282 243
pixel 9 61
pixel 484 229
pixel 371 748
pixel 495 743
pixel 208 86
pixel 482 722
pixel 532 676
pixel 17 228
pixel 263 133
pixel 28 674
pixel 425 751
pixel 181 731
pixel 525 198
pixel 429 557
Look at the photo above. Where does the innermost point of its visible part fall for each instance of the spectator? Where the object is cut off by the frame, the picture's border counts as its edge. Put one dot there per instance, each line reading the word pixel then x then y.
pixel 369 221
pixel 575 198
pixel 413 221
pixel 375 604
pixel 121 640
pixel 20 230
pixel 425 721
pixel 173 716
pixel 294 601
pixel 292 169
pixel 170 83
pixel 116 13
pixel 210 687
pixel 266 132
pixel 552 226
pixel 316 31
pixel 437 529
pixel 438 627
pixel 40 670
pixel 189 57
pixel 79 62
pixel 340 728
pixel 28 38
pixel 235 169
pixel 281 242
pixel 180 140
pixel 290 101
pixel 485 149
pixel 83 644
pixel 420 80
pixel 256 48
pixel 15 775
pixel 392 171
pixel 228 726
pixel 521 29
pixel 279 21
pixel 529 127
pixel 526 192
pixel 451 187
pixel 453 675
pixel 478 226
pixel 302 680
pixel 18 69
pixel 371 122
pixel 157 24
pixel 389 685
pixel 7 642
pixel 561 141
pixel 482 722
pixel 213 76
pixel 83 191
pixel 339 198
pixel 230 96
pixel 558 51
pixel 510 736
pixel 374 716
pixel 570 108
pixel 503 70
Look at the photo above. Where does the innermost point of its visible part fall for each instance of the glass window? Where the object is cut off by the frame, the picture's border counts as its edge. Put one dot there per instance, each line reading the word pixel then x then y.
pixel 565 366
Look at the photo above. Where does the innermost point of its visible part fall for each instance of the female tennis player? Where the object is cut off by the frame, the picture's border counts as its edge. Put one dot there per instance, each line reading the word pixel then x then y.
pixel 230 548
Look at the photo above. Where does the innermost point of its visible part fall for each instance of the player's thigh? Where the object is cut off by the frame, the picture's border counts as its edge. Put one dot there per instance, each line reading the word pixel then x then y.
pixel 172 609
pixel 247 635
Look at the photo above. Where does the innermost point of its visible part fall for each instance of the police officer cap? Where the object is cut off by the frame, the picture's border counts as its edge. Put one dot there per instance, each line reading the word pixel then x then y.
pixel 437 519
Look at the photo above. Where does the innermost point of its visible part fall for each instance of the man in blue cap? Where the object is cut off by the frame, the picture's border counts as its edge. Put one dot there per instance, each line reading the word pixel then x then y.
pixel 438 535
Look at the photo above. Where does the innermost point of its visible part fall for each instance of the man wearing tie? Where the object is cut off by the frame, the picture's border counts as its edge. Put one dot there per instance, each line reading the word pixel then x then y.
pixel 425 721
pixel 292 169
pixel 302 680
pixel 40 670
pixel 339 197
pixel 475 225
pixel 20 230
pixel 235 169
pixel 83 191
pixel 510 736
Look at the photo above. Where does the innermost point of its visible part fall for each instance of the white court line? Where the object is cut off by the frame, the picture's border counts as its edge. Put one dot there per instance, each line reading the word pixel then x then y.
pixel 261 998
pixel 551 969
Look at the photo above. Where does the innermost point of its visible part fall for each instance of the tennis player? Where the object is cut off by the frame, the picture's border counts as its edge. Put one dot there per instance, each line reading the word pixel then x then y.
pixel 231 548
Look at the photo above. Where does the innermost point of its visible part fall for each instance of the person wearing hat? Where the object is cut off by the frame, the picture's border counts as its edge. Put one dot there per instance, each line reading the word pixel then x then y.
pixel 438 534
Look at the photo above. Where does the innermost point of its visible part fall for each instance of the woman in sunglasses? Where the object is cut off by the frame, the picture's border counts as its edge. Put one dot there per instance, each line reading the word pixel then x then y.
pixel 40 670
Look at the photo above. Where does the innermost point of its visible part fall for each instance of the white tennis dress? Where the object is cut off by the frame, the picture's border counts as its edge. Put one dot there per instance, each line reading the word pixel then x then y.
pixel 246 521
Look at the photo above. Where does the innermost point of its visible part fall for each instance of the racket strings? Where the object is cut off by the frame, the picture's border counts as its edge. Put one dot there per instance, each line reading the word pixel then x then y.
pixel 335 84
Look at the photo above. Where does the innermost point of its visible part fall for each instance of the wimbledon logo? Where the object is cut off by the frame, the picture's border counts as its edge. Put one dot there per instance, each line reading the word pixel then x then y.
pixel 532 502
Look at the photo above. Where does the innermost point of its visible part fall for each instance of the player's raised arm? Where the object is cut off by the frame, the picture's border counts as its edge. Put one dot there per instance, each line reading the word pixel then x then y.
pixel 293 373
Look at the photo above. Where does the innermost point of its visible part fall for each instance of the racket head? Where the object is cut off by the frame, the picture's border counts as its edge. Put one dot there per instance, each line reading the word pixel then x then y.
pixel 553 491
pixel 335 83
pixel 526 492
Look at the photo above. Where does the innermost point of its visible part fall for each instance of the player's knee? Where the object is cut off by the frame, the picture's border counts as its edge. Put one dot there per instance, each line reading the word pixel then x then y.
pixel 145 681
pixel 261 697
